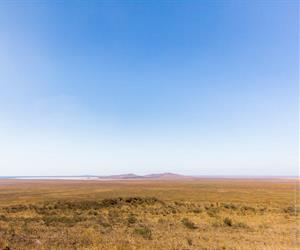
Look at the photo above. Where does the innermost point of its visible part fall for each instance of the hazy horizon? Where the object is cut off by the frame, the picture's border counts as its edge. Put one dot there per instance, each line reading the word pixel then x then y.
pixel 87 176
pixel 195 88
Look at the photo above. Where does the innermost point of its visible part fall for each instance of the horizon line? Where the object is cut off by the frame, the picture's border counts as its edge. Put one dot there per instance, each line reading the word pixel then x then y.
pixel 145 175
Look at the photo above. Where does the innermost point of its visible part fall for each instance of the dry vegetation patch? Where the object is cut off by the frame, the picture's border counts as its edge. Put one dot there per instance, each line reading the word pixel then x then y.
pixel 150 220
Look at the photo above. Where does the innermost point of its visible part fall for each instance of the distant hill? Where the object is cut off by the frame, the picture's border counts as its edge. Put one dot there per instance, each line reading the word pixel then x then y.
pixel 121 176
pixel 163 176
pixel 130 176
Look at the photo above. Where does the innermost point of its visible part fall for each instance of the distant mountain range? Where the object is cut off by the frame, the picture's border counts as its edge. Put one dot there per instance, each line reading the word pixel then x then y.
pixel 164 176
pixel 159 176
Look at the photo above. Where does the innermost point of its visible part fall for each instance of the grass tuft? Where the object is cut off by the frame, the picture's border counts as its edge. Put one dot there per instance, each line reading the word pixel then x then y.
pixel 144 231
pixel 228 222
pixel 188 223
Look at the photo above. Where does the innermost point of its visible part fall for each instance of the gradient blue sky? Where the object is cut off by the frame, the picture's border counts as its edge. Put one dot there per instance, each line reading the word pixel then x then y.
pixel 193 87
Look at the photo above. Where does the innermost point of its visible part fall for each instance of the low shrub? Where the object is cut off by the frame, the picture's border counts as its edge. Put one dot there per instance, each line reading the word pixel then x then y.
pixel 230 206
pixel 217 224
pixel 212 211
pixel 144 231
pixel 53 220
pixel 16 208
pixel 104 222
pixel 131 219
pixel 228 222
pixel 241 225
pixel 189 241
pixel 290 210
pixel 248 209
pixel 197 210
pixel 189 224
pixel 3 218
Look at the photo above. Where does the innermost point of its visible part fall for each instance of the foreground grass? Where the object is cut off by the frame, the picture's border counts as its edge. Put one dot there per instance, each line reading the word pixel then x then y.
pixel 195 214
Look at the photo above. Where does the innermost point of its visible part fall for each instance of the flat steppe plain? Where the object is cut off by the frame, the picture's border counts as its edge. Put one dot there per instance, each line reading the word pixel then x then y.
pixel 149 214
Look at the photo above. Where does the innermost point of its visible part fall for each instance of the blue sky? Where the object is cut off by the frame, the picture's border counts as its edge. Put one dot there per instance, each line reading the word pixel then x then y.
pixel 193 87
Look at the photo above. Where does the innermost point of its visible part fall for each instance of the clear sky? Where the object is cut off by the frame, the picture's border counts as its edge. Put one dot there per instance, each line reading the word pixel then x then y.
pixel 192 87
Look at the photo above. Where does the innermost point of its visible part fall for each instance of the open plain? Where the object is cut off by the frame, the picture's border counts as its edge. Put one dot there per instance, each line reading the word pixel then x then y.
pixel 149 214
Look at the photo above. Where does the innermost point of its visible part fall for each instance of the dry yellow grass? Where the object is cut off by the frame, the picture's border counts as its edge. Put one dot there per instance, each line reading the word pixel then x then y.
pixel 187 214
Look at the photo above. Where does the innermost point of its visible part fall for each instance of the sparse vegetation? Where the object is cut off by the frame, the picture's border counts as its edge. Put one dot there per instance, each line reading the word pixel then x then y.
pixel 189 241
pixel 144 231
pixel 228 222
pixel 131 219
pixel 189 224
pixel 241 225
pixel 148 215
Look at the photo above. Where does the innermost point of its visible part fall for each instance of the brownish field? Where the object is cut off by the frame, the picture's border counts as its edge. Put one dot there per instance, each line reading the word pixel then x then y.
pixel 186 214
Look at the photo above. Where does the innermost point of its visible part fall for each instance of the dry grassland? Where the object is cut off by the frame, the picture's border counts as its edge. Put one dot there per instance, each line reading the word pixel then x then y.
pixel 172 215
